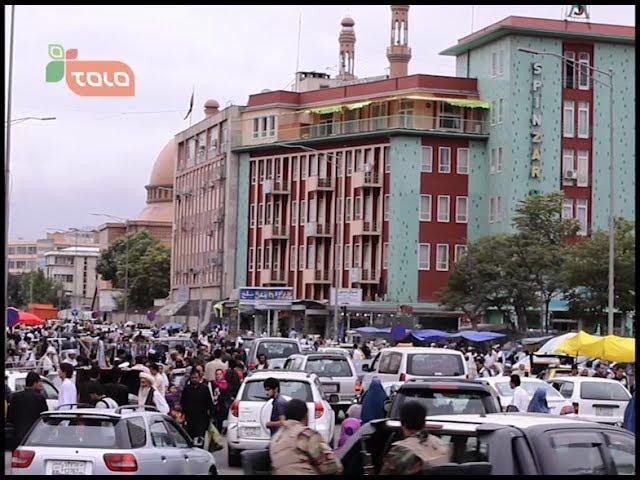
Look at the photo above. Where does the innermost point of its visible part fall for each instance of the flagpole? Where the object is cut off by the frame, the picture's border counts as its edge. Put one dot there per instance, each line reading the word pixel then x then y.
pixel 192 97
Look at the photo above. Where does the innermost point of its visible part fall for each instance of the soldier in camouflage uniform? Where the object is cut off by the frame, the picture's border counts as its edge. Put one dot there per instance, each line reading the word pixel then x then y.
pixel 297 449
pixel 419 449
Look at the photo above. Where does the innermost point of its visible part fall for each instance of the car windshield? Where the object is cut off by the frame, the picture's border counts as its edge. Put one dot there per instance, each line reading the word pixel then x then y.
pixel 603 391
pixel 85 432
pixel 446 402
pixel 504 389
pixel 434 364
pixel 254 391
pixel 277 349
pixel 329 367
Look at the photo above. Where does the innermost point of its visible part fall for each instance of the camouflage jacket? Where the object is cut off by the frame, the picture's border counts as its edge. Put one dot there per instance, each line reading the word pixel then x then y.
pixel 413 454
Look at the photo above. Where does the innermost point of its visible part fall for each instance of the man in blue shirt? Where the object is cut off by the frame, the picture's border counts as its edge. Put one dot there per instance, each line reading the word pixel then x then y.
pixel 272 389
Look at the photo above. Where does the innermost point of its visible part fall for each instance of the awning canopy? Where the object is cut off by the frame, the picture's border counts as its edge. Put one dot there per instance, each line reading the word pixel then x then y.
pixel 458 102
pixel 337 108
pixel 170 310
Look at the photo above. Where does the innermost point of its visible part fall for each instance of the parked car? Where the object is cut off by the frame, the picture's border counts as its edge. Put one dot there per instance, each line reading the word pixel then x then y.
pixel 336 372
pixel 502 388
pixel 504 444
pixel 277 350
pixel 403 363
pixel 335 350
pixel 90 441
pixel 596 399
pixel 16 380
pixel 251 410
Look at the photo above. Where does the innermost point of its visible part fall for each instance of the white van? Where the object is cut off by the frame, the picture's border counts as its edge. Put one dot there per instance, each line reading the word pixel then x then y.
pixel 399 364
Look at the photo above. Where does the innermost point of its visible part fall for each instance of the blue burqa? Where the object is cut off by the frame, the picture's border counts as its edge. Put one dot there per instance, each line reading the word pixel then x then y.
pixel 629 422
pixel 539 401
pixel 373 402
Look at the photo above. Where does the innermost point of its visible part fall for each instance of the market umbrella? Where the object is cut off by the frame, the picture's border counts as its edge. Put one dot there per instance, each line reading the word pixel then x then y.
pixel 172 325
pixel 611 347
pixel 552 345
pixel 15 316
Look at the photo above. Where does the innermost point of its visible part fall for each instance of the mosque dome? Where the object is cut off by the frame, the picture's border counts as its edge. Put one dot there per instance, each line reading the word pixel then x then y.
pixel 347 22
pixel 160 188
pixel 165 165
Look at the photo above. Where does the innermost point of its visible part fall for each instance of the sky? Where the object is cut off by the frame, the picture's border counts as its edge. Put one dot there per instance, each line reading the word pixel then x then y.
pixel 96 157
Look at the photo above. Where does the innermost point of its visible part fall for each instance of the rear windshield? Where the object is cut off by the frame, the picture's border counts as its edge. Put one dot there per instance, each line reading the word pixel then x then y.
pixel 446 402
pixel 277 349
pixel 434 365
pixel 603 391
pixel 78 432
pixel 328 367
pixel 254 391
pixel 505 390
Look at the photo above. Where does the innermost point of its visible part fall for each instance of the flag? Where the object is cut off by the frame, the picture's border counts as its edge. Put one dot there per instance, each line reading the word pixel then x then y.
pixel 190 106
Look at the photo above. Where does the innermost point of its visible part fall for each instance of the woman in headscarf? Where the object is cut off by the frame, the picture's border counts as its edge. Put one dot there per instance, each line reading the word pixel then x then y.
pixel 220 397
pixel 349 427
pixel 539 401
pixel 232 378
pixel 373 402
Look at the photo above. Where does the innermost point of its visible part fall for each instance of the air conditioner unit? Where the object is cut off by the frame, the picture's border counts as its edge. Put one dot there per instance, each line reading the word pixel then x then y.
pixel 570 175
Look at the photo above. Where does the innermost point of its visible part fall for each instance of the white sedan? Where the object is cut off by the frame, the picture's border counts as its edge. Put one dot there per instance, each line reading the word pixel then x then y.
pixel 502 388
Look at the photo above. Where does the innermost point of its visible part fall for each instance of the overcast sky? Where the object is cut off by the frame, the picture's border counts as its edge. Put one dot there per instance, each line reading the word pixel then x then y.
pixel 97 156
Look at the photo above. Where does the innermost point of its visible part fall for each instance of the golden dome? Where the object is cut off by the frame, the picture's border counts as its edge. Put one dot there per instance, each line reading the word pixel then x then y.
pixel 157 212
pixel 165 166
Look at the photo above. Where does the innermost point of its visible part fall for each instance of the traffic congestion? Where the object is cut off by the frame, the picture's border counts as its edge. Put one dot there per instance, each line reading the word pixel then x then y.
pixel 85 398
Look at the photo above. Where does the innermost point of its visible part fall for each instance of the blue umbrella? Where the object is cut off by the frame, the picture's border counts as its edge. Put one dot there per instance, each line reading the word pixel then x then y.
pixel 172 326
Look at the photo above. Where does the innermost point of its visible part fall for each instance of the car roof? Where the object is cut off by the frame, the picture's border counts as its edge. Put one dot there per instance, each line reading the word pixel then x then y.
pixel 279 373
pixel 436 383
pixel 332 356
pixel 277 339
pixel 421 350
pixel 501 379
pixel 515 419
pixel 580 379
pixel 103 412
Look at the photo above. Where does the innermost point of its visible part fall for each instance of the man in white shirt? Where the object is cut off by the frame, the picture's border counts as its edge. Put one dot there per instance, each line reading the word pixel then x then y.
pixel 68 394
pixel 357 353
pixel 520 398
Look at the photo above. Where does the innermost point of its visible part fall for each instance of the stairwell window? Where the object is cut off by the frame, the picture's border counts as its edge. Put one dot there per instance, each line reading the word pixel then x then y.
pixel 424 256
pixel 581 214
pixel 259 258
pixel 386 207
pixel 460 251
pixel 442 257
pixel 583 119
pixel 444 160
pixel 583 168
pixel 293 262
pixel 462 166
pixel 499 160
pixel 426 165
pixel 294 212
pixel 251 256
pixel 425 208
pixel 443 208
pixel 385 256
pixel 252 215
pixel 567 119
pixel 303 212
pixel 584 80
pixel 301 258
pixel 260 214
pixel 461 209
pixel 567 208
pixel 570 70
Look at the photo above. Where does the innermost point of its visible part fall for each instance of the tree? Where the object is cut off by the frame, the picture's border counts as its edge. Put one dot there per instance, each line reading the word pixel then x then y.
pixel 14 292
pixel 144 261
pixel 586 273
pixel 36 288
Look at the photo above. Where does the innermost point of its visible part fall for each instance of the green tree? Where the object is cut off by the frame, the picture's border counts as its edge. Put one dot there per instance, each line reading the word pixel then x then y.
pixel 146 263
pixel 587 274
pixel 36 288
pixel 14 292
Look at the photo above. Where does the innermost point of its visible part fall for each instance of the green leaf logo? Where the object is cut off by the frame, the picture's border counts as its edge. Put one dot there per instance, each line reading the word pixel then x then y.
pixel 56 51
pixel 54 71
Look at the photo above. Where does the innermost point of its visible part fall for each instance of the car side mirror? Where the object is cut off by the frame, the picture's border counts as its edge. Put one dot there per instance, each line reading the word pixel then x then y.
pixel 365 368
pixel 198 442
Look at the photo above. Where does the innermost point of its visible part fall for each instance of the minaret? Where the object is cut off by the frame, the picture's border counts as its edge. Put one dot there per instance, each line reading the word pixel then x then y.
pixel 399 52
pixel 347 41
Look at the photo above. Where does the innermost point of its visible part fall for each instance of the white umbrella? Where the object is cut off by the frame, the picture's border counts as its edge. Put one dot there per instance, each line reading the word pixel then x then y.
pixel 551 345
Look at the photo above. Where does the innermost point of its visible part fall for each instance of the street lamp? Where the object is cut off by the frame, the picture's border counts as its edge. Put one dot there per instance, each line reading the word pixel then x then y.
pixel 612 227
pixel 126 258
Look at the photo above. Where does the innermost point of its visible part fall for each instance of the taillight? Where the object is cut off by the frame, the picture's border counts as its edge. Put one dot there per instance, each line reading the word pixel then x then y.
pixel 235 408
pixel 22 458
pixel 576 407
pixel 319 409
pixel 120 462
pixel 252 365
pixel 567 409
pixel 403 377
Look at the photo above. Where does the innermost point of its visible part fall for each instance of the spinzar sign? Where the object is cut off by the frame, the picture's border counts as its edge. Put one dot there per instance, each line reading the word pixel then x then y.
pixel 90 78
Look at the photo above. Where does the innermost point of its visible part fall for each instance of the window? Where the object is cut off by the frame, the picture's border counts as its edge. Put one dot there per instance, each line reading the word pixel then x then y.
pixel 386 207
pixel 252 215
pixel 500 102
pixel 294 168
pixel 385 255
pixel 338 258
pixel 12 250
pixel 349 165
pixel 568 120
pixel 267 258
pixel 499 209
pixel 424 256
pixel 22 250
pixel 179 439
pixel 581 214
pixel 494 64
pixel 347 256
pixel 160 435
pixel 348 209
pixel 500 62
pixel 603 391
pixel 493 112
pixel 442 257
pixel 492 161
pixel 294 212
pixel 303 212
pixel 303 167
pixel 251 257
pixel 137 432
pixel 264 126
pixel 339 208
pixel 569 70
pixel 461 209
pixel 301 258
pixel 462 166
pixel 578 453
pixel 293 258
pixel 492 210
pixel 390 362
pixel 567 166
pixel 259 258
pixel 499 160
pixel 450 117
pixel 583 119
pixel 357 210
pixel 311 256
pixel 356 255
pixel 425 208
pixel 583 168
pixel 460 251
pixel 426 166
pixel 622 449
pixel 583 73
pixel 443 208
pixel 444 160
pixel 567 208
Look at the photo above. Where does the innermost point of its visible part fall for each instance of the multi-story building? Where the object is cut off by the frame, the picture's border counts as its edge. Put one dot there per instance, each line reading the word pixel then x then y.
pixel 22 256
pixel 75 268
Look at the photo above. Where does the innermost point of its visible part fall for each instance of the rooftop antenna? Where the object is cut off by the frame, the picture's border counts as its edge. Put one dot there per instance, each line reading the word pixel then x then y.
pixel 473 8
pixel 298 55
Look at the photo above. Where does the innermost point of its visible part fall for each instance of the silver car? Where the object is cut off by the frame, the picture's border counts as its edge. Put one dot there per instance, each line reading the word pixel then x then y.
pixel 90 441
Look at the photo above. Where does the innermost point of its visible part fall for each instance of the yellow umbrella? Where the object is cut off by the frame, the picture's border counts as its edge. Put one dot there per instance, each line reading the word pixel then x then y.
pixel 576 344
pixel 612 348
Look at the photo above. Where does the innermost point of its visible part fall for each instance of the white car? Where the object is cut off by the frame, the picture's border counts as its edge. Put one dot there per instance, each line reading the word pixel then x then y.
pixel 277 350
pixel 16 381
pixel 336 350
pixel 599 400
pixel 251 410
pixel 502 388
pixel 399 364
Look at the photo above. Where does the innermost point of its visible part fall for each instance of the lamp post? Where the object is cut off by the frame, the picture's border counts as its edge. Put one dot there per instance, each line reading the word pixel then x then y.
pixel 612 227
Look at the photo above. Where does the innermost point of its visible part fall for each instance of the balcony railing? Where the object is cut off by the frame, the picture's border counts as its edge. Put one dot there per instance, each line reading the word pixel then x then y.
pixel 442 123
pixel 317 183
pixel 314 275
pixel 276 232
pixel 275 187
pixel 364 275
pixel 316 229
pixel 365 179
pixel 365 227
pixel 272 276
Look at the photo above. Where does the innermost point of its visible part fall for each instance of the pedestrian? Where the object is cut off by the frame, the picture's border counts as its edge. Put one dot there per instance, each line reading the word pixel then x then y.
pixel 520 398
pixel 357 353
pixel 221 399
pixel 49 362
pixel 158 381
pixel 172 396
pixel 197 405
pixel 26 406
pixel 483 371
pixel 348 427
pixel 272 389
pixel 298 449
pixel 27 357
pixel 629 421
pixel 539 401
pixel 147 395
pixel 99 397
pixel 574 370
pixel 68 394
pixel 262 362
pixel 214 364
pixel 373 402
pixel 601 370
pixel 620 376
pixel 419 449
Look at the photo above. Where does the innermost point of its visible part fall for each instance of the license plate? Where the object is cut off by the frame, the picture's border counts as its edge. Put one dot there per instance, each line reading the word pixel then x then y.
pixel 330 387
pixel 604 411
pixel 68 468
pixel 250 432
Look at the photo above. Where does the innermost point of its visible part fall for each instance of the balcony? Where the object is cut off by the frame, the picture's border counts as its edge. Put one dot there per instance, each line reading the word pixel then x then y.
pixel 275 187
pixel 312 275
pixel 366 180
pixel 273 277
pixel 365 227
pixel 275 232
pixel 316 229
pixel 364 275
pixel 319 184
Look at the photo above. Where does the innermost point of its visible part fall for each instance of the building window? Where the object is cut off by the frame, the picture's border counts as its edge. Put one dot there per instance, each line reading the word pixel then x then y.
pixel 267 258
pixel 426 166
pixel 251 257
pixel 500 102
pixel 294 168
pixel 260 214
pixel 303 167
pixel 311 257
pixel 444 160
pixel 356 255
pixel 294 212
pixel 492 161
pixel 493 112
pixel 252 215
pixel 349 156
pixel 385 256
pixel 568 170
pixel 461 209
pixel 450 117
pixel 567 208
pixel 569 70
pixel 303 212
pixel 583 119
pixel 443 208
pixel 386 207
pixel 497 63
pixel 583 73
pixel 581 214
pixel 348 209
pixel 424 257
pixel 259 258
pixel 425 208
pixel 293 263
pixel 568 120
pixel 583 168
pixel 442 257
pixel 460 251
pixel 499 208
pixel 264 126
pixel 492 210
pixel 462 166
pixel 339 208
pixel 254 172
pixel 357 211
pixel 347 256
pixel 499 160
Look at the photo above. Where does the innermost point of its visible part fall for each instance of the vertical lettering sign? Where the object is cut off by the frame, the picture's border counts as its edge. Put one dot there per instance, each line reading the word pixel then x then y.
pixel 536 120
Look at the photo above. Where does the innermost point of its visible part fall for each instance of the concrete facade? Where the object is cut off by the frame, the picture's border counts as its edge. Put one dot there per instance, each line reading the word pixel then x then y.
pixel 75 268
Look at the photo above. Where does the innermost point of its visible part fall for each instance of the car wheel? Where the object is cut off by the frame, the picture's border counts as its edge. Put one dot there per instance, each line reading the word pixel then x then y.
pixel 233 457
pixel 213 470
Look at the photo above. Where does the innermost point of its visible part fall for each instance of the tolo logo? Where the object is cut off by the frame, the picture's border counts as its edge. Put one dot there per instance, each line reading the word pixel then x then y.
pixel 90 78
